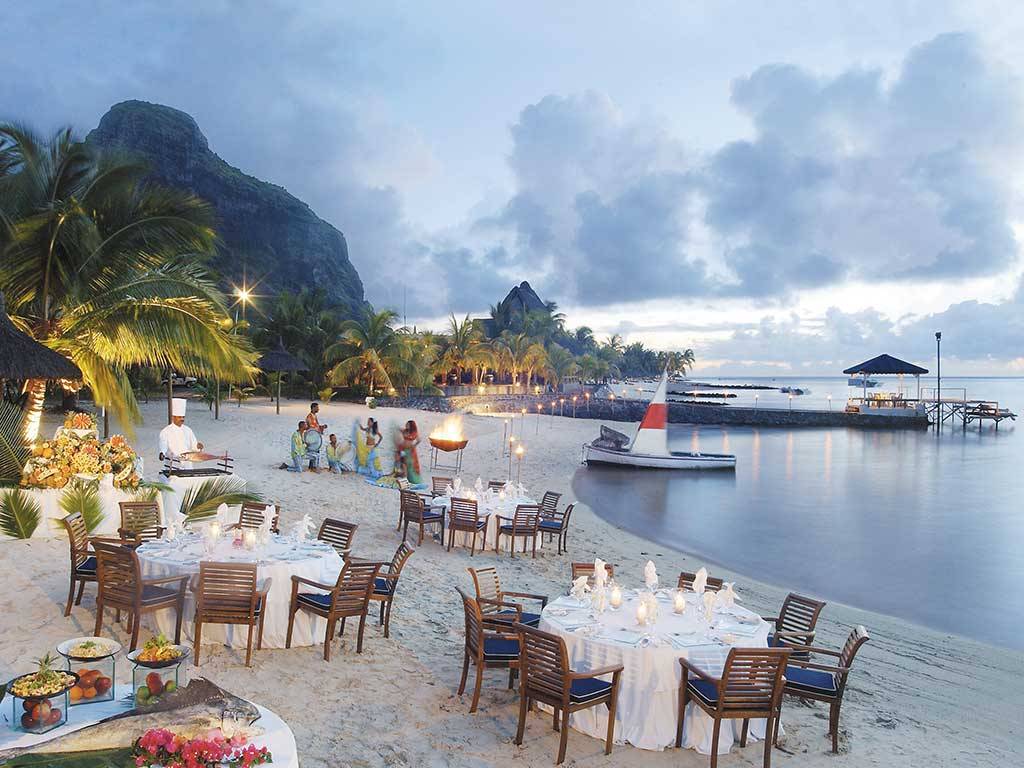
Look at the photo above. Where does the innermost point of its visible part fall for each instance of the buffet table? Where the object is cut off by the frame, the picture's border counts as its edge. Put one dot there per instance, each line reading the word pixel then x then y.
pixel 51 513
pixel 280 559
pixel 277 737
pixel 648 704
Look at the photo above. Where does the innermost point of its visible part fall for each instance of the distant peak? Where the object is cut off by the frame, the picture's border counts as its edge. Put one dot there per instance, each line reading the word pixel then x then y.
pixel 135 117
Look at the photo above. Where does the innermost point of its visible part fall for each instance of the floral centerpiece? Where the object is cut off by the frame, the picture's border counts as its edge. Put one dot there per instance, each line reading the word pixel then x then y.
pixel 160 747
pixel 54 463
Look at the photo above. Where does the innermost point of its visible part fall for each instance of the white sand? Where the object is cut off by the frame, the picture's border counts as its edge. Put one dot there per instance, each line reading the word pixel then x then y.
pixel 916 697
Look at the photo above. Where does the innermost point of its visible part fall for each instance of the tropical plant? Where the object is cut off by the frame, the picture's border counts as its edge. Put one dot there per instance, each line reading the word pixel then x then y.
pixel 149 490
pixel 462 347
pixel 518 353
pixel 420 352
pixel 19 514
pixel 201 501
pixel 559 364
pixel 107 270
pixel 369 350
pixel 84 498
pixel 14 451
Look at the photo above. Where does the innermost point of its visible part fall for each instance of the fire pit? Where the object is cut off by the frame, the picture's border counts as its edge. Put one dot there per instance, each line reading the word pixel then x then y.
pixel 448 438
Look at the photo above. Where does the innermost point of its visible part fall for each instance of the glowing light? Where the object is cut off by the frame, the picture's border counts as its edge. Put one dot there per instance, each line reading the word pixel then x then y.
pixel 449 430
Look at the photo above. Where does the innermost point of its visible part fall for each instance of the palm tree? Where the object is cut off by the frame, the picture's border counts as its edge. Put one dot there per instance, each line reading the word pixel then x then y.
pixel 420 351
pixel 584 338
pixel 461 347
pixel 560 363
pixel 519 354
pixel 369 349
pixel 107 270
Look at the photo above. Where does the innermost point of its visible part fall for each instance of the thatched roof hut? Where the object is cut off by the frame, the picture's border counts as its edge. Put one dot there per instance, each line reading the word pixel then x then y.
pixel 22 357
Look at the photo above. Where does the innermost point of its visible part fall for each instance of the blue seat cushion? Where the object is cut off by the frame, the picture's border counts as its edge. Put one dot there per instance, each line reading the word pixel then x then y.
pixel 519 532
pixel 775 642
pixel 499 649
pixel 587 689
pixel 810 680
pixel 529 619
pixel 154 594
pixel 88 566
pixel 550 525
pixel 383 586
pixel 319 601
pixel 704 690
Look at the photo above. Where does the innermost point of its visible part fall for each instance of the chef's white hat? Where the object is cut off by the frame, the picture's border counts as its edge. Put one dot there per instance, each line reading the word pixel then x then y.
pixel 178 406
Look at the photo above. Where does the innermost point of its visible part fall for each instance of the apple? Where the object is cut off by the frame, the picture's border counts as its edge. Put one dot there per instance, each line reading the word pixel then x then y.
pixel 154 683
pixel 41 711
pixel 54 717
pixel 102 685
pixel 170 687
pixel 142 694
pixel 27 721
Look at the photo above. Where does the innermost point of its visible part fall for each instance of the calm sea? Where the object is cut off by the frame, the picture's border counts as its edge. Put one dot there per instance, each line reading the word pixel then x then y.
pixel 925 525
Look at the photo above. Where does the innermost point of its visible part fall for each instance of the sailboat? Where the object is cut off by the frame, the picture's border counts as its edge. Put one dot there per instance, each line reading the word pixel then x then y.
pixel 649 447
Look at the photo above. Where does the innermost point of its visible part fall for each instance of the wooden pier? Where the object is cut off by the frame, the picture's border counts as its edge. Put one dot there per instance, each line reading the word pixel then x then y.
pixel 961 409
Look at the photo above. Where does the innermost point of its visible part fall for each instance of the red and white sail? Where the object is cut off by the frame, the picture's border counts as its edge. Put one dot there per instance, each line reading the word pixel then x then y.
pixel 652 436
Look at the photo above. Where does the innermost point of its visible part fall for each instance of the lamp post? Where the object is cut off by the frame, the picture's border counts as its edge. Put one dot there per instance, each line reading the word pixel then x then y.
pixel 511 441
pixel 938 374
pixel 586 396
pixel 522 430
pixel 561 406
pixel 574 406
pixel 830 402
pixel 519 463
pixel 791 402
pixel 551 421
pixel 540 407
pixel 504 435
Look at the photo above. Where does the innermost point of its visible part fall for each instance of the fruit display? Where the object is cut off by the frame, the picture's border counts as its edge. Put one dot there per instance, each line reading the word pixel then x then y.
pixel 154 685
pixel 45 681
pixel 92 685
pixel 53 463
pixel 79 420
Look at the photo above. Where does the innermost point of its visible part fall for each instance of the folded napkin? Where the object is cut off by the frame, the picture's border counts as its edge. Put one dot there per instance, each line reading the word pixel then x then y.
pixel 580 588
pixel 458 484
pixel 479 485
pixel 700 580
pixel 727 596
pixel 600 574
pixel 709 604
pixel 651 576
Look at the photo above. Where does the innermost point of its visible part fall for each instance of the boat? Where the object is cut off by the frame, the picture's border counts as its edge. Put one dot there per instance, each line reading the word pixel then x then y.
pixel 794 390
pixel 649 447
pixel 861 382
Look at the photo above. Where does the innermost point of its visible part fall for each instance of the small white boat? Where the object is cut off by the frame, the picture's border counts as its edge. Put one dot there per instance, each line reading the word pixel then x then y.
pixel 861 382
pixel 649 447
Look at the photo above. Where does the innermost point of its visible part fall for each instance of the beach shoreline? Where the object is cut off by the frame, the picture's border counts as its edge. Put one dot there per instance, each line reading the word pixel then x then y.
pixel 915 697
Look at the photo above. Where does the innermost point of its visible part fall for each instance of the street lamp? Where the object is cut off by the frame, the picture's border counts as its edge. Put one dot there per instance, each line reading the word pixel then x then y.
pixel 830 402
pixel 938 372
pixel 540 407
pixel 574 406
pixel 519 464
pixel 755 401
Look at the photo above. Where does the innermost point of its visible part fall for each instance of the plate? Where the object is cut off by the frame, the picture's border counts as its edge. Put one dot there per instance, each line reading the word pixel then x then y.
pixel 133 657
pixel 112 646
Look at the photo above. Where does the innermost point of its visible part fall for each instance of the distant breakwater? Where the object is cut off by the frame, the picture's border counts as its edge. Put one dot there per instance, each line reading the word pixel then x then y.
pixel 633 410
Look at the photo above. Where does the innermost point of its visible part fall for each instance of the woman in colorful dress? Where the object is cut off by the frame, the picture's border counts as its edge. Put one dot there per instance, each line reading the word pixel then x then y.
pixel 410 456
pixel 366 439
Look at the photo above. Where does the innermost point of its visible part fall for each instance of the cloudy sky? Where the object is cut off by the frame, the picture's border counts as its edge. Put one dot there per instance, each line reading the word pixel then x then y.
pixel 785 187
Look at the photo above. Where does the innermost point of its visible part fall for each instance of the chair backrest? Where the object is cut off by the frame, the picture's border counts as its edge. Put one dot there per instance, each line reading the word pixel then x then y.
pixel 464 512
pixel 799 614
pixel 439 484
pixel 253 514
pixel 474 625
pixel 549 504
pixel 753 678
pixel 543 664
pixel 857 638
pixel 495 485
pixel 338 534
pixel 403 553
pixel 686 579
pixel 141 518
pixel 226 591
pixel 526 518
pixel 587 569
pixel 78 537
pixel 412 505
pixel 355 584
pixel 488 587
pixel 117 574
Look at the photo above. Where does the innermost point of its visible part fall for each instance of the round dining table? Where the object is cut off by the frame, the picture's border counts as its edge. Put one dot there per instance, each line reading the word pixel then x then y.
pixel 648 705
pixel 279 559
pixel 493 503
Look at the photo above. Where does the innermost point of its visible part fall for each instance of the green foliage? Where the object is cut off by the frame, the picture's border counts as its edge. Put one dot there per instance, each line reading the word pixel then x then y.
pixel 201 501
pixel 80 496
pixel 120 757
pixel 13 449
pixel 19 514
pixel 241 394
pixel 148 490
pixel 369 350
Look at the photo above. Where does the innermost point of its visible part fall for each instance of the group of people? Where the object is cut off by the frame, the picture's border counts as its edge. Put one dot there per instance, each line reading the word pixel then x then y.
pixel 366 440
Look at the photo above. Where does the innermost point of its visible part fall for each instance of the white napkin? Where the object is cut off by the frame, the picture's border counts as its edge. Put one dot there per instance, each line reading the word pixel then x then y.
pixel 222 514
pixel 651 576
pixel 449 491
pixel 170 530
pixel 302 528
pixel 600 574
pixel 458 484
pixel 479 485
pixel 727 596
pixel 580 588
pixel 700 581
pixel 709 604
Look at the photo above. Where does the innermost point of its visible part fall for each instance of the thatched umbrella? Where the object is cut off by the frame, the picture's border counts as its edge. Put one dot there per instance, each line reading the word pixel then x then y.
pixel 280 361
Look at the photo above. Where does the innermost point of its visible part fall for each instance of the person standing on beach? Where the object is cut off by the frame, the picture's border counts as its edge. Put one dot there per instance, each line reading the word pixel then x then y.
pixel 298 448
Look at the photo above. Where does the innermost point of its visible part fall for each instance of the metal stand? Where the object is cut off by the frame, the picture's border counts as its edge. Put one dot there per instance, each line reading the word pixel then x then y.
pixel 437 463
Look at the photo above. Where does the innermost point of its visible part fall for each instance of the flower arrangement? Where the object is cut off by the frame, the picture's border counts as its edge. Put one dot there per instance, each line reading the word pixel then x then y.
pixel 79 420
pixel 160 747
pixel 54 462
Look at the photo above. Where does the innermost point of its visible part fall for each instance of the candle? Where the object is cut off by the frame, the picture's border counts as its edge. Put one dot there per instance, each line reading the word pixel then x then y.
pixel 641 612
pixel 616 596
pixel 249 539
pixel 679 602
pixel 214 530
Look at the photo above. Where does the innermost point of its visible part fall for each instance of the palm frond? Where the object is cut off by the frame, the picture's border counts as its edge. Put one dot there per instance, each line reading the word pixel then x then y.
pixel 201 501
pixel 84 498
pixel 19 514
pixel 13 450
pixel 149 490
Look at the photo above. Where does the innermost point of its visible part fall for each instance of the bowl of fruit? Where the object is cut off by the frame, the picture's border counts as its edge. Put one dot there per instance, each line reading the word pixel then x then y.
pixel 158 652
pixel 43 695
pixel 157 684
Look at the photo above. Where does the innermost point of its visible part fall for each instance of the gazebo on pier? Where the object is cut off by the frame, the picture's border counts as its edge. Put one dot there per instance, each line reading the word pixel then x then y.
pixel 887 365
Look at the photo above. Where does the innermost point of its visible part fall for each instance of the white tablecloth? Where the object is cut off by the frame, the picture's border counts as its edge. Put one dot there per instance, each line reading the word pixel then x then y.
pixel 171 500
pixel 490 504
pixel 277 736
pixel 281 559
pixel 648 704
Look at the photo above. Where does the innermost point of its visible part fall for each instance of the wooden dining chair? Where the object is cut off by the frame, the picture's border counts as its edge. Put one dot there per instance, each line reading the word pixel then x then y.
pixel 495 485
pixel 794 626
pixel 386 583
pixel 686 579
pixel 487 647
pixel 557 526
pixel 524 524
pixel 140 521
pixel 545 676
pixel 228 593
pixel 253 514
pixel 348 597
pixel 464 517
pixel 494 602
pixel 587 569
pixel 83 558
pixel 813 679
pixel 120 586
pixel 416 512
pixel 750 687
pixel 338 534
pixel 549 504
pixel 439 485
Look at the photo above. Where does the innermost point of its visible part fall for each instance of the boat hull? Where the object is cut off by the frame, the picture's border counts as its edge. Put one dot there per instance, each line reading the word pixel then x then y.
pixel 593 454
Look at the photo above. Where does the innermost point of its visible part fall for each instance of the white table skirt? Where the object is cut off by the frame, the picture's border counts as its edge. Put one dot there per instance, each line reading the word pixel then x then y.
pixel 323 567
pixel 51 513
pixel 494 507
pixel 277 737
pixel 648 705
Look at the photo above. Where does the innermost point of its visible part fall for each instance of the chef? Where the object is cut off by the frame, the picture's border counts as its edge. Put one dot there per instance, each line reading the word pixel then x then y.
pixel 176 439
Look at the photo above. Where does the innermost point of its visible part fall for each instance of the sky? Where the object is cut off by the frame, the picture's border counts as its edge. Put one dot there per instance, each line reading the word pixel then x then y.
pixel 786 188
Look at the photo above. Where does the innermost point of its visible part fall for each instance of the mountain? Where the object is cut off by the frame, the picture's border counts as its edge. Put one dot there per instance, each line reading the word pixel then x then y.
pixel 266 233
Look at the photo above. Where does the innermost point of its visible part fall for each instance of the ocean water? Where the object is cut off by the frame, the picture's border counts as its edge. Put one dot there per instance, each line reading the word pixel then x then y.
pixel 925 525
